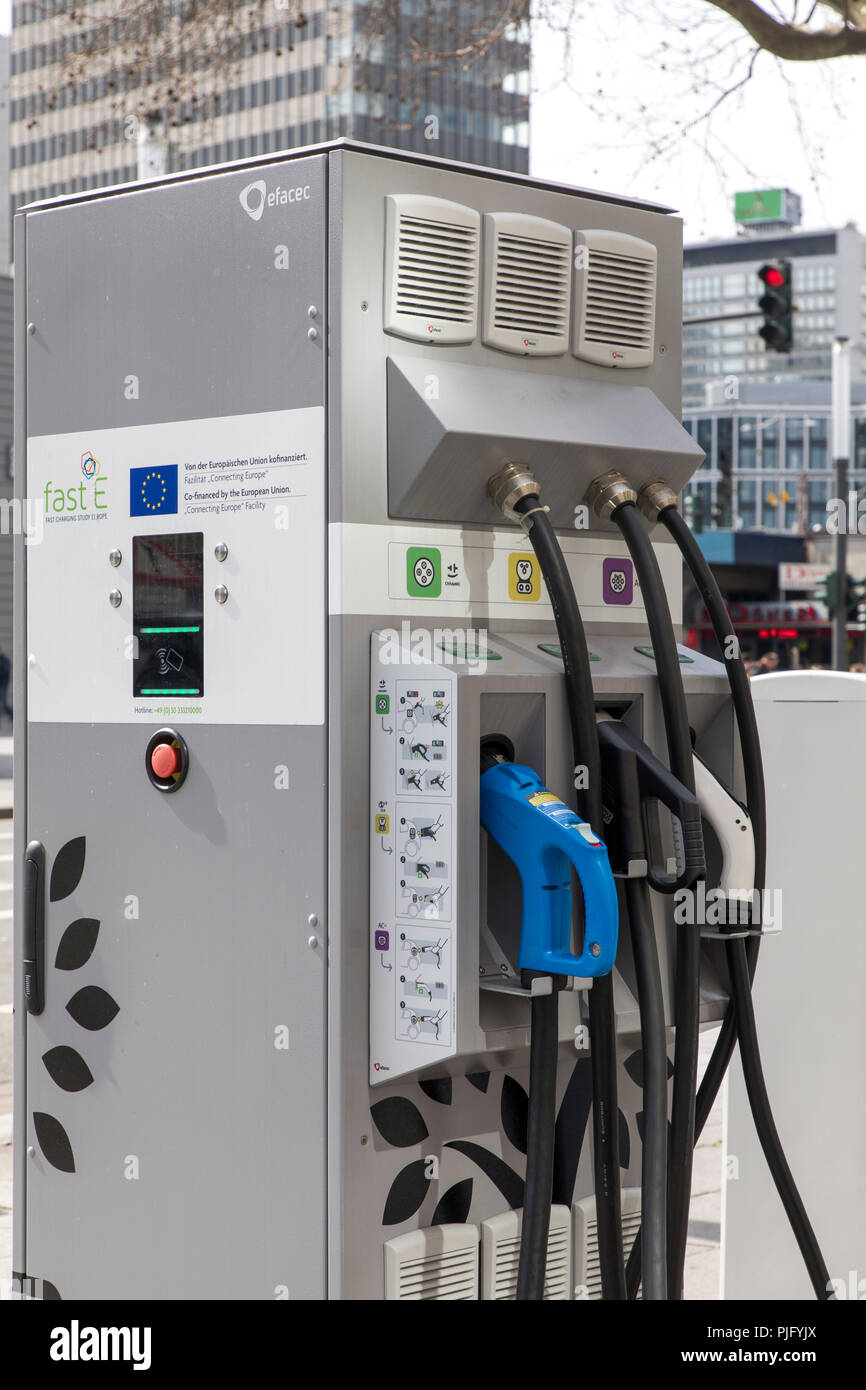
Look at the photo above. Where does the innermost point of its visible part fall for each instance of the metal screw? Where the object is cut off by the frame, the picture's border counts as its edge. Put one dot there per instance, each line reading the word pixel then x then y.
pixel 365 1138
pixel 662 348
pixel 312 942
pixel 221 593
pixel 114 558
pixel 31 329
pixel 115 598
pixel 312 920
pixel 595 949
pixel 504 969
pixel 220 551
pixel 312 312
pixel 481 970
pixel 364 306
pixel 312 334
pixel 31 1152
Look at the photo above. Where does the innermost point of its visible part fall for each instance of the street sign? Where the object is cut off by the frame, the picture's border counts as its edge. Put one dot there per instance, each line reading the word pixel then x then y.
pixel 802 576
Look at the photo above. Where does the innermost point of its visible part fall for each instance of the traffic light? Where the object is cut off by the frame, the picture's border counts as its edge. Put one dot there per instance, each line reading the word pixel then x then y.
pixel 776 305
pixel 855 594
pixel 828 591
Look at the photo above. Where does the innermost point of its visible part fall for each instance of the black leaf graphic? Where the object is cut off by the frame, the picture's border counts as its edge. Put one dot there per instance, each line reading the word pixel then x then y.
pixel 399 1121
pixel 479 1079
pixel 509 1183
pixel 76 944
pixel 439 1089
pixel 68 1068
pixel 54 1142
pixel 634 1067
pixel 624 1141
pixel 67 869
pixel 92 1008
pixel 50 1292
pixel 571 1125
pixel 408 1191
pixel 640 1121
pixel 514 1108
pixel 454 1204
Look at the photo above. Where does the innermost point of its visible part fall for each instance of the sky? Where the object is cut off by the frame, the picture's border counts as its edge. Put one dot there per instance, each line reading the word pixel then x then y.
pixel 794 125
pixel 627 77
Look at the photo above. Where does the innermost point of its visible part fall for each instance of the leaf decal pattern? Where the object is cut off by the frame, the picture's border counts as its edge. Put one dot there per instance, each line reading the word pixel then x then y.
pixel 76 944
pixel 67 869
pixel 514 1110
pixel 92 1008
pixel 439 1089
pixel 509 1183
pixel 54 1142
pixel 399 1121
pixel 453 1205
pixel 407 1193
pixel 68 1069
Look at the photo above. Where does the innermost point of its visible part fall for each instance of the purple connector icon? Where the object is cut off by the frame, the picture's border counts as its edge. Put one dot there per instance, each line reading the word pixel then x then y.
pixel 617 581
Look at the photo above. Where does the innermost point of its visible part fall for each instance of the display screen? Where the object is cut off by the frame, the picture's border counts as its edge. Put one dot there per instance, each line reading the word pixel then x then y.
pixel 168 615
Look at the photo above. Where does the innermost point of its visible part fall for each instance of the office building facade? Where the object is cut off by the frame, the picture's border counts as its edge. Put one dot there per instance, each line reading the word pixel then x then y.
pixel 339 72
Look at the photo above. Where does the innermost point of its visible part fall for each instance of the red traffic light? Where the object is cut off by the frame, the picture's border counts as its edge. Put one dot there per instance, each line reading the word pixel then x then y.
pixel 772 276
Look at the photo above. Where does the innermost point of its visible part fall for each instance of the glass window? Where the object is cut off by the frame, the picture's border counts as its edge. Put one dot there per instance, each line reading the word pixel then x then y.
pixel 860 443
pixel 818 444
pixel 746 501
pixel 818 494
pixel 704 436
pixel 770 504
pixel 794 435
pixel 747 442
pixel 770 444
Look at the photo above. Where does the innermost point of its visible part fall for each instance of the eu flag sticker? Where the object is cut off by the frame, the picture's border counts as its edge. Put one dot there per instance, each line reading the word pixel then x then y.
pixel 153 491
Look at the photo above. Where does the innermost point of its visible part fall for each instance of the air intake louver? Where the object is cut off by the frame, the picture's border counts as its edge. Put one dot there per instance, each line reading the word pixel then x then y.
pixel 432 253
pixel 439 1263
pixel 527 284
pixel 500 1255
pixel 615 299
pixel 587 1270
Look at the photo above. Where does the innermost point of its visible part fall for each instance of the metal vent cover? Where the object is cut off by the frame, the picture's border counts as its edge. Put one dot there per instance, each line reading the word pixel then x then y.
pixel 500 1256
pixel 527 284
pixel 436 1264
pixel 587 1271
pixel 432 259
pixel 614 299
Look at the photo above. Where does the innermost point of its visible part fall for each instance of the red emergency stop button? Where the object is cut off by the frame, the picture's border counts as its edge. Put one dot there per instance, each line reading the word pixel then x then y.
pixel 165 761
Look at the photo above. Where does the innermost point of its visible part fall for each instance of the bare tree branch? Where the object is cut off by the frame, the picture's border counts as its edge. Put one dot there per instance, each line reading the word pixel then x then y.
pixel 793 42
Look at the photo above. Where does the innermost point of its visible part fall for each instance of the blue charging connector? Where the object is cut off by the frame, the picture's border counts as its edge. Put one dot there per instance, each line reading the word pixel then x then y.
pixel 543 837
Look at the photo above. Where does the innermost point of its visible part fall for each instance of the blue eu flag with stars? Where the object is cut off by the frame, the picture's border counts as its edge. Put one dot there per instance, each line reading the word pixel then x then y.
pixel 153 490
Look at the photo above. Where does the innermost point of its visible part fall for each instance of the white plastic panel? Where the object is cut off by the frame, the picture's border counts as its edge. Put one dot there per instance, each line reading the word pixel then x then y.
pixel 432 254
pixel 527 284
pixel 587 1273
pixel 500 1255
pixel 614 298
pixel 437 1264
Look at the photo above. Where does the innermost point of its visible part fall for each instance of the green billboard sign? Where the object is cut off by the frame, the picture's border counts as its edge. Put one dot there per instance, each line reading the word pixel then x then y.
pixel 761 205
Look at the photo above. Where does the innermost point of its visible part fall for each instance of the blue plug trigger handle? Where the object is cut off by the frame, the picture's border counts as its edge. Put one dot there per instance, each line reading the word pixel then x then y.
pixel 542 837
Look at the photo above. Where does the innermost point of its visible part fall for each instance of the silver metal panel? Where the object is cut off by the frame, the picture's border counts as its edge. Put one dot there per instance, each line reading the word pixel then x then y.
pixel 178 286
pixel 444 443
pixel 199 1147
pixel 808 997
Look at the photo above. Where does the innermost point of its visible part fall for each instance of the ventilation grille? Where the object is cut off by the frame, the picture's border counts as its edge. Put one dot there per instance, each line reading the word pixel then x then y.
pixel 615 299
pixel 587 1271
pixel 436 1264
pixel 527 289
pixel 431 270
pixel 500 1255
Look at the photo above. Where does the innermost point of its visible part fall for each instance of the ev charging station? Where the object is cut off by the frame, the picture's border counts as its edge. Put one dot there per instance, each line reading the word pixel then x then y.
pixel 276 984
